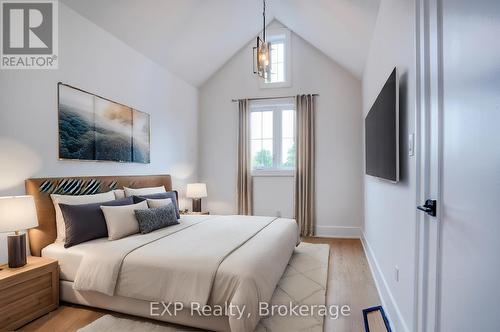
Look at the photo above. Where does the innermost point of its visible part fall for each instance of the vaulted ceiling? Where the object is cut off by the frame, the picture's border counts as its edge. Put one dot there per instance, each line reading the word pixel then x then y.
pixel 194 38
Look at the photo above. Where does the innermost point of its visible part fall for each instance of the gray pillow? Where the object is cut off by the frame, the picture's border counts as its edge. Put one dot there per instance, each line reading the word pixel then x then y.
pixel 169 194
pixel 156 218
pixel 85 222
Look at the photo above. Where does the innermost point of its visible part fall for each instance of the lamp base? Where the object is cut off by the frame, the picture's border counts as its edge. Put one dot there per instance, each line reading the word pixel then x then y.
pixel 17 250
pixel 196 204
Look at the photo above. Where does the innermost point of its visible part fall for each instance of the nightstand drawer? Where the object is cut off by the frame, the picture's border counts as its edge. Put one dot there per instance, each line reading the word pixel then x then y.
pixel 27 306
pixel 28 292
pixel 23 289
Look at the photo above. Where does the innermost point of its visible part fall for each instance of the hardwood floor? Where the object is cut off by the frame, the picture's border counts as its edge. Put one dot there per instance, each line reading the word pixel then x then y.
pixel 67 317
pixel 349 283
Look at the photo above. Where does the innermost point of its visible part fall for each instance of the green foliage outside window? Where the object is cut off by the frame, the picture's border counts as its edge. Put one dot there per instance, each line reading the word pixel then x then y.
pixel 290 159
pixel 263 159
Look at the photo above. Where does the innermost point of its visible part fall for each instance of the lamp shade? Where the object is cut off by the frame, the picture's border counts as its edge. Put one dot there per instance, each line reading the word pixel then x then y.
pixel 196 190
pixel 17 213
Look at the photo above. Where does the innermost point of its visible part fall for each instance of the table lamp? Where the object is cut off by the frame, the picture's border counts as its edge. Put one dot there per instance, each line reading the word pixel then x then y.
pixel 196 191
pixel 17 213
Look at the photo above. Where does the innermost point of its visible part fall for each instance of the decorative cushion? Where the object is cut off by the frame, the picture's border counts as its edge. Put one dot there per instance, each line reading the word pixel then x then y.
pixel 121 221
pixel 74 200
pixel 119 193
pixel 86 222
pixel 168 194
pixel 156 203
pixel 143 191
pixel 156 218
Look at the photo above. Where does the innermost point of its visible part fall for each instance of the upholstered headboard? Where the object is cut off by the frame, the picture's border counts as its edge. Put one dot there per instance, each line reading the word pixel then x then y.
pixel 41 189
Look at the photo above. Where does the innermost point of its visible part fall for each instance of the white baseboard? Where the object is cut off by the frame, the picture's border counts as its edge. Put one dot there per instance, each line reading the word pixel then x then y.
pixel 390 305
pixel 338 231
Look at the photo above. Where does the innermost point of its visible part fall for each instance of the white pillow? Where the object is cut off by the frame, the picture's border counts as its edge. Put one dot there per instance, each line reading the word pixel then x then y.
pixel 119 193
pixel 121 220
pixel 156 203
pixel 75 200
pixel 144 191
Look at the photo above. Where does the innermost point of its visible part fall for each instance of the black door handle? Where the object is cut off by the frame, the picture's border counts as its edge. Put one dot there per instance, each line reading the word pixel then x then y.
pixel 429 207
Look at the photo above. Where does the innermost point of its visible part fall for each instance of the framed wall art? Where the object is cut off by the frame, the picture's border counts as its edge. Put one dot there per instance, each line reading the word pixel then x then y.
pixel 95 128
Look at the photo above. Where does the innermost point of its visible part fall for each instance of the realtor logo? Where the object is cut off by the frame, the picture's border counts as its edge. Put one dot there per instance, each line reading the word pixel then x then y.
pixel 29 34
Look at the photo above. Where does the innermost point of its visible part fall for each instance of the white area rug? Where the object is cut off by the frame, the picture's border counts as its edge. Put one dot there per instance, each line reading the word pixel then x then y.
pixel 304 282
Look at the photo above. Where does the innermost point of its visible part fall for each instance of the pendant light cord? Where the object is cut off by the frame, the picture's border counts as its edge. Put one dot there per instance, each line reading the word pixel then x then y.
pixel 264 20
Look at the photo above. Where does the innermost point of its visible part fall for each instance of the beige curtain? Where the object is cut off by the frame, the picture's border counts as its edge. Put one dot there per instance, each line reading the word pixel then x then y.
pixel 305 168
pixel 244 180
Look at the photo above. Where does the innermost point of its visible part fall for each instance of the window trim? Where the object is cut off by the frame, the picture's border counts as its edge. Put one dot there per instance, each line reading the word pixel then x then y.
pixel 279 33
pixel 273 172
pixel 275 105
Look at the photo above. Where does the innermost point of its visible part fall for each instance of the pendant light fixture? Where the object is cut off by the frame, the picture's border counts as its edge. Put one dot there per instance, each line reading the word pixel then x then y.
pixel 261 53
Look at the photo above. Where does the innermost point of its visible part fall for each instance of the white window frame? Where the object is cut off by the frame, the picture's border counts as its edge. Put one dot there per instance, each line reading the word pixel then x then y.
pixel 275 105
pixel 280 34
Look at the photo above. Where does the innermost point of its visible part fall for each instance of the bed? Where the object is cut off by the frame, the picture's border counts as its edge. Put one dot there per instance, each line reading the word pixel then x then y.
pixel 205 263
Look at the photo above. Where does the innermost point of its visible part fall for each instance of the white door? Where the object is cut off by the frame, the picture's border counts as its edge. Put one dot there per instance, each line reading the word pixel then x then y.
pixel 470 243
pixel 460 166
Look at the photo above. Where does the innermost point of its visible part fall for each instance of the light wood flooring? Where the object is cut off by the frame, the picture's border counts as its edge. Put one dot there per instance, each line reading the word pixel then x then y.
pixel 349 283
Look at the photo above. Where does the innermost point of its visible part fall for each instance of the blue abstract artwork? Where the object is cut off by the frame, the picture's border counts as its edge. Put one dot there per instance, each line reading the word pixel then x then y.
pixel 95 128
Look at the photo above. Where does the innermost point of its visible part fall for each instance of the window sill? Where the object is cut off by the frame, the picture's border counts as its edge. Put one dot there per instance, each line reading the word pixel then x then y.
pixel 274 85
pixel 273 173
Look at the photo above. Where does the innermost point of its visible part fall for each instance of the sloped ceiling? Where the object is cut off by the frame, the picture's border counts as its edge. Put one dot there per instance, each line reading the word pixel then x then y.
pixel 194 38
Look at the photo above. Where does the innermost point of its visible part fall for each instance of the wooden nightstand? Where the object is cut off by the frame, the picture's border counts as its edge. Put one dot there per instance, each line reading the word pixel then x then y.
pixel 28 292
pixel 191 213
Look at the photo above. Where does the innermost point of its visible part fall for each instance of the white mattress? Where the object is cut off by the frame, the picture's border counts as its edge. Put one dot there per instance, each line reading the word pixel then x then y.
pixel 69 258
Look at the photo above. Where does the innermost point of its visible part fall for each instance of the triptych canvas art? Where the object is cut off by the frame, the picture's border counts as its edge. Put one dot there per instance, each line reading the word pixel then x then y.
pixel 95 128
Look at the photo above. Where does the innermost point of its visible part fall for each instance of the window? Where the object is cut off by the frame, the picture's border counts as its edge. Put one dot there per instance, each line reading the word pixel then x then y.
pixel 280 59
pixel 277 62
pixel 272 136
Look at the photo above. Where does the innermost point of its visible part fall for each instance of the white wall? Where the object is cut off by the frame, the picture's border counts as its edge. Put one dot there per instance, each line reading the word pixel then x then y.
pixel 273 196
pixel 389 224
pixel 94 60
pixel 339 180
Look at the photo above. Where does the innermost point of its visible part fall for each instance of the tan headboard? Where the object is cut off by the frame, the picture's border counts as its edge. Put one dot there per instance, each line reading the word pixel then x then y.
pixel 41 189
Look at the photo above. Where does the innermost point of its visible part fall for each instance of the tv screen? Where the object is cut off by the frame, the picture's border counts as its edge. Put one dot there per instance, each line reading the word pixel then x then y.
pixel 382 133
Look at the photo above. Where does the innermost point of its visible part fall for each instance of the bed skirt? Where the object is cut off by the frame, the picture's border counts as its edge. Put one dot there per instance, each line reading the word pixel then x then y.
pixel 140 308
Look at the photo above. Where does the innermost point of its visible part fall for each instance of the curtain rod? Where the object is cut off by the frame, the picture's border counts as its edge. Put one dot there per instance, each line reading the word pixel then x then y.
pixel 263 98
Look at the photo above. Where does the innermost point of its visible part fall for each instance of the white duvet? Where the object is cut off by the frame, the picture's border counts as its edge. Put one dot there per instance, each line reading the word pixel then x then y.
pixel 215 260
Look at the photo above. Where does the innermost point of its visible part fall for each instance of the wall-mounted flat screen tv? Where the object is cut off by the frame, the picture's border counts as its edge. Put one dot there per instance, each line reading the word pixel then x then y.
pixel 382 132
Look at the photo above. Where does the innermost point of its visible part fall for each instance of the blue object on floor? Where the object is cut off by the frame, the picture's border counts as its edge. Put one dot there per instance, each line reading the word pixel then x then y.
pixel 382 312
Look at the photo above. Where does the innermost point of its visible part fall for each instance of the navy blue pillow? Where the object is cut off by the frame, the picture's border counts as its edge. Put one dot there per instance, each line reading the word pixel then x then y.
pixel 85 222
pixel 169 194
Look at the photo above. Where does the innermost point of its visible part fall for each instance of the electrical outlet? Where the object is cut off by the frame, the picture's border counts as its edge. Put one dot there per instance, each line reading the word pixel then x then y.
pixel 396 273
